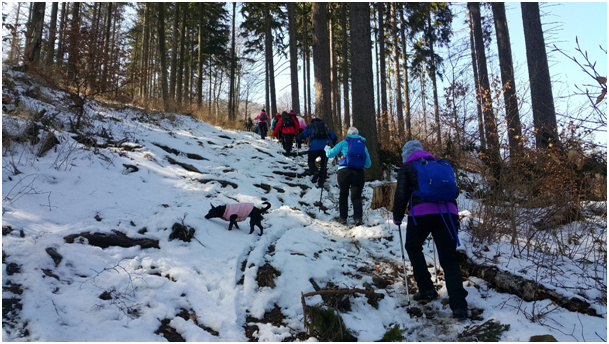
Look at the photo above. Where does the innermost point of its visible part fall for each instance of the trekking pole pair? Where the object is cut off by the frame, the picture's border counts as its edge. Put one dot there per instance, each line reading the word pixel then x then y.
pixel 404 261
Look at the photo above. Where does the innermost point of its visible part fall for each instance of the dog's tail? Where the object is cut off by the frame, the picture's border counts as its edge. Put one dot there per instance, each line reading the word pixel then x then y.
pixel 268 206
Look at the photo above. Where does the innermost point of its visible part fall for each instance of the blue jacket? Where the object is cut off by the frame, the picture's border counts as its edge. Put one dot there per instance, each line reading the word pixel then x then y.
pixel 343 147
pixel 316 144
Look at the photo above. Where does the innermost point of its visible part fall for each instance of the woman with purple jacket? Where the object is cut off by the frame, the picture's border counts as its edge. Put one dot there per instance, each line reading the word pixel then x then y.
pixel 425 218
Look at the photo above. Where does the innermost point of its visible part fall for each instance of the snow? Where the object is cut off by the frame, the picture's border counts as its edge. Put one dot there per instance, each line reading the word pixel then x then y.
pixel 214 278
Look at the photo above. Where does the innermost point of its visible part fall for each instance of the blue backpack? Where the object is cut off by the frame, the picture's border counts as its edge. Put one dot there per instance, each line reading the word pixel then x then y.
pixel 437 184
pixel 356 154
pixel 436 179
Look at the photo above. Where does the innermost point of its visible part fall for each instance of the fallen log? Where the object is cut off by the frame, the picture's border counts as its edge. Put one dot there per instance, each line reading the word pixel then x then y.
pixel 527 290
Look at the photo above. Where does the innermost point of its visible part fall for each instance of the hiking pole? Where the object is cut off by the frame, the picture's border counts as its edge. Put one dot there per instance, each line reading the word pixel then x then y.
pixel 404 261
pixel 320 195
pixel 435 262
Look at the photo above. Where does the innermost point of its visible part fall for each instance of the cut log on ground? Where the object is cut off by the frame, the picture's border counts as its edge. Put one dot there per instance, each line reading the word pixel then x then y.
pixel 527 290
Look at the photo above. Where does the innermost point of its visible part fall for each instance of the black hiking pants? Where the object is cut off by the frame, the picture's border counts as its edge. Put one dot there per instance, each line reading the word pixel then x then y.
pixel 351 180
pixel 288 141
pixel 447 252
pixel 263 129
pixel 321 172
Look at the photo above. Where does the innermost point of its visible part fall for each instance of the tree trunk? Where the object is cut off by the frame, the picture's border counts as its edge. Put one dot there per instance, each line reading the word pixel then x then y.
pixel 507 79
pixel 396 68
pixel 200 58
pixel 174 55
pixel 383 72
pixel 180 78
pixel 62 36
pixel 269 57
pixel 145 55
pixel 476 82
pixel 506 282
pixel 34 35
pixel 432 67
pixel 345 66
pixel 106 54
pixel 492 138
pixel 305 48
pixel 73 49
pixel 363 90
pixel 162 54
pixel 50 51
pixel 15 41
pixel 406 85
pixel 231 91
pixel 544 115
pixel 321 63
pixel 293 58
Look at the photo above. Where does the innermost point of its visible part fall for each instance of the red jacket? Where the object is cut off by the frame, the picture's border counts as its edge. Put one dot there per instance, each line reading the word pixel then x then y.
pixel 287 130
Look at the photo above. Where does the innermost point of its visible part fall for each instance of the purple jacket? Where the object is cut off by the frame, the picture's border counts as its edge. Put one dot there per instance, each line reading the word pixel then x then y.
pixel 242 210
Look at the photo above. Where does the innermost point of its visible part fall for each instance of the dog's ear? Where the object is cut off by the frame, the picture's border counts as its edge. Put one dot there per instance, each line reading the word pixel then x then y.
pixel 212 206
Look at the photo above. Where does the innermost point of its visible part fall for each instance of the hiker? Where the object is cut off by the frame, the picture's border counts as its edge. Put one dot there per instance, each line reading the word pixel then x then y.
pixel 351 175
pixel 319 136
pixel 288 125
pixel 424 218
pixel 303 125
pixel 274 123
pixel 249 124
pixel 262 123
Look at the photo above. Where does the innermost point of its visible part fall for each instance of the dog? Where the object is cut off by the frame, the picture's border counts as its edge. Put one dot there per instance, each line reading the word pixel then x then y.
pixel 239 212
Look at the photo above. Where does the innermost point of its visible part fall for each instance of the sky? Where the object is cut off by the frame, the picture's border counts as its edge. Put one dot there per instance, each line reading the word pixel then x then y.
pixel 118 294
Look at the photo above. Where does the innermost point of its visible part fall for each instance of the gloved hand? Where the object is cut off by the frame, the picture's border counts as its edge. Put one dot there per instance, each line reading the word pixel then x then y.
pixel 397 223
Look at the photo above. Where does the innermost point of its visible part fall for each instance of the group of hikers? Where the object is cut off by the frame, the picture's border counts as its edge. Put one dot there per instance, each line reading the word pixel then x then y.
pixel 426 187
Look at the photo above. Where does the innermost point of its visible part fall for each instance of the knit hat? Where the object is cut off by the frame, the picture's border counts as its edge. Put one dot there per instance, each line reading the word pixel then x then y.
pixel 292 112
pixel 352 131
pixel 409 148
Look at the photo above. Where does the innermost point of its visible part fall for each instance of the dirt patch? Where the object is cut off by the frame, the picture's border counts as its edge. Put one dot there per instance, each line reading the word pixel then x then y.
pixel 105 240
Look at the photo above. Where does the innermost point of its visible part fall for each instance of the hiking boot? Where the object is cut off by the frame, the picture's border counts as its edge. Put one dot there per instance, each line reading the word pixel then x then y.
pixel 425 296
pixel 358 222
pixel 460 313
pixel 341 220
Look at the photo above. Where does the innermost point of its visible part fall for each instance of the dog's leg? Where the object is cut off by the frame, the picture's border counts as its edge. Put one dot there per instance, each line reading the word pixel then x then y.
pixel 260 226
pixel 252 225
pixel 233 221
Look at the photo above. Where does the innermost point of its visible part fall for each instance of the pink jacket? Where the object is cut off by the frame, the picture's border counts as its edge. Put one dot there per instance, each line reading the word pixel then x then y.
pixel 242 210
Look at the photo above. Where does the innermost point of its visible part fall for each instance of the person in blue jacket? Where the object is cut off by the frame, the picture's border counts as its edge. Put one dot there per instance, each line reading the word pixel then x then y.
pixel 350 178
pixel 316 148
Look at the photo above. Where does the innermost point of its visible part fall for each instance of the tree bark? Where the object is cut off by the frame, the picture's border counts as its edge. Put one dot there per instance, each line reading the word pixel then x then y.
pixel 163 54
pixel 321 63
pixel 269 58
pixel 362 91
pixel 544 115
pixel 406 85
pixel 34 35
pixel 492 137
pixel 396 69
pixel 231 91
pixel 476 82
pixel 293 58
pixel 174 54
pixel 50 53
pixel 527 290
pixel 180 78
pixel 383 72
pixel 507 79
pixel 345 67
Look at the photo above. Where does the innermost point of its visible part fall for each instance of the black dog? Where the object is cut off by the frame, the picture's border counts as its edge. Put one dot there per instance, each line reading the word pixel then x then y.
pixel 239 212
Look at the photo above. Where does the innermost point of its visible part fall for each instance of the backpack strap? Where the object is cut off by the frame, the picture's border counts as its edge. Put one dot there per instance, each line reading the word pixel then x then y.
pixel 452 223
